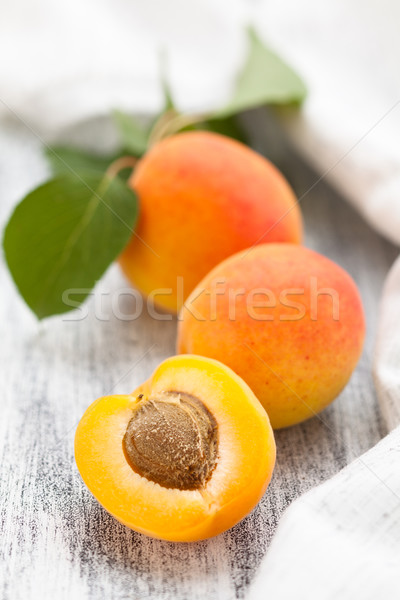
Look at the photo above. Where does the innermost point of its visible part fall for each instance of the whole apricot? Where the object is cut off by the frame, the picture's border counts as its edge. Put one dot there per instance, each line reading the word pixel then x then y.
pixel 286 319
pixel 183 458
pixel 202 197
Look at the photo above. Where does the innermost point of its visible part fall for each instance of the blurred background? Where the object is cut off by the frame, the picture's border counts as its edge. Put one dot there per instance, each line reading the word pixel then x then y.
pixel 65 64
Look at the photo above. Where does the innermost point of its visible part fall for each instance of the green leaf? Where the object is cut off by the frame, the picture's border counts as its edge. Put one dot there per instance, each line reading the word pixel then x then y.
pixel 228 126
pixel 168 100
pixel 265 79
pixel 64 234
pixel 169 104
pixel 63 159
pixel 133 135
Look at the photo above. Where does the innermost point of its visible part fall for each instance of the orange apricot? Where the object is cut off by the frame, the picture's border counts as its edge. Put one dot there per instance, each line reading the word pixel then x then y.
pixel 202 197
pixel 286 319
pixel 183 458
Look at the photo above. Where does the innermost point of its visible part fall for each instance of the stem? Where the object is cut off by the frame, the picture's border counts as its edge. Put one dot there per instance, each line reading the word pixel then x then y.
pixel 124 162
pixel 171 122
pixel 159 125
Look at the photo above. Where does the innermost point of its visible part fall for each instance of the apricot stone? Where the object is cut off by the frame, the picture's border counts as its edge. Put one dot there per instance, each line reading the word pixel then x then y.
pixel 183 458
pixel 202 198
pixel 289 321
pixel 172 439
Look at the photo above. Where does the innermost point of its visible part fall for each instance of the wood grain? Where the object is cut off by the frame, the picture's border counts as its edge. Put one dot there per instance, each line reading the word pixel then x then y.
pixel 56 541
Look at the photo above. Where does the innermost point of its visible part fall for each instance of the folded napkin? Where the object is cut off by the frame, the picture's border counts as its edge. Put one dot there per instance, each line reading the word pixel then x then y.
pixel 342 539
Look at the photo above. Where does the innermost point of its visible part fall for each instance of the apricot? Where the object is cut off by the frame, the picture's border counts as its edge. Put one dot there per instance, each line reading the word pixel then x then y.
pixel 183 458
pixel 202 197
pixel 286 319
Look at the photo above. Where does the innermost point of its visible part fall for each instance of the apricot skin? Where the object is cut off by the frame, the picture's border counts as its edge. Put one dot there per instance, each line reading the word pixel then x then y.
pixel 202 198
pixel 295 363
pixel 243 470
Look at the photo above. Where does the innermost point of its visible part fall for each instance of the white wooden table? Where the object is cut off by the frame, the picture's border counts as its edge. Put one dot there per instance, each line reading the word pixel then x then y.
pixel 56 541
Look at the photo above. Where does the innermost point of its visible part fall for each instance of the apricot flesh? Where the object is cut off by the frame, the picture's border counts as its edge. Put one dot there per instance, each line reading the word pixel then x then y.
pixel 286 319
pixel 162 488
pixel 202 198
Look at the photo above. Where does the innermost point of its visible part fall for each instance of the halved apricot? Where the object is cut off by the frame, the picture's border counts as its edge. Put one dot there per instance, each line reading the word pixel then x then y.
pixel 183 458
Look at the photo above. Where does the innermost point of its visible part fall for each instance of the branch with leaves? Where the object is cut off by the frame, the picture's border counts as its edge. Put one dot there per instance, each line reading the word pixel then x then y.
pixel 66 233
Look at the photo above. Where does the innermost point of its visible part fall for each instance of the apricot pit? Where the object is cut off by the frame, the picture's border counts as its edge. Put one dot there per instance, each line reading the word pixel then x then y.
pixel 172 439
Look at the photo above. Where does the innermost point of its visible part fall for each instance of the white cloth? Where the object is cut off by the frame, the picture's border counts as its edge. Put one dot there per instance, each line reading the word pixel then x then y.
pixel 387 354
pixel 340 540
pixel 69 62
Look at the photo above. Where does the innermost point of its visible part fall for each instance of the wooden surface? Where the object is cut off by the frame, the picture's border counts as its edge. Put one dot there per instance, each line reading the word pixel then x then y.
pixel 56 541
